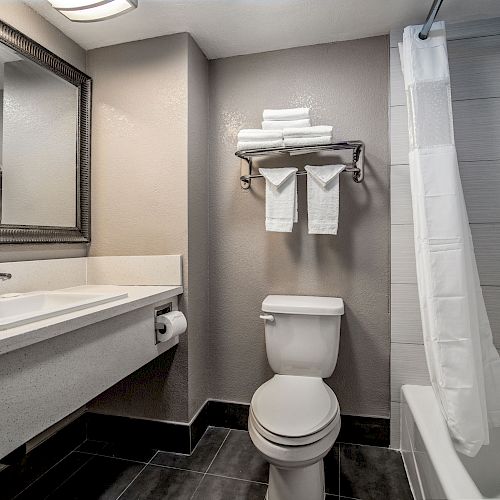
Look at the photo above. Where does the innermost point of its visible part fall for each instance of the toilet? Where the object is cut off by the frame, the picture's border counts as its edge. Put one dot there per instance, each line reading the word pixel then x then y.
pixel 295 417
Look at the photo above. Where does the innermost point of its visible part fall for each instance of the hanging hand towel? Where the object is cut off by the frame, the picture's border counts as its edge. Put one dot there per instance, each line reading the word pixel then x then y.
pixel 316 131
pixel 257 134
pixel 323 198
pixel 285 114
pixel 281 198
pixel 245 145
pixel 307 141
pixel 281 124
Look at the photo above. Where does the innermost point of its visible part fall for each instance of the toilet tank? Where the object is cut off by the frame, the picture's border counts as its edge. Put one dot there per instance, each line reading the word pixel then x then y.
pixel 302 334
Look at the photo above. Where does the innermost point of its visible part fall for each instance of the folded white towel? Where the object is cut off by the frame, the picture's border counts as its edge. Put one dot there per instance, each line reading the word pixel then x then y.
pixel 245 145
pixel 316 131
pixel 285 114
pixel 281 198
pixel 307 141
pixel 323 198
pixel 257 134
pixel 281 124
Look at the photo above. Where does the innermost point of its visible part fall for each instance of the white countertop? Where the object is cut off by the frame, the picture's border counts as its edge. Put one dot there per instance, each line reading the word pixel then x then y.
pixel 37 331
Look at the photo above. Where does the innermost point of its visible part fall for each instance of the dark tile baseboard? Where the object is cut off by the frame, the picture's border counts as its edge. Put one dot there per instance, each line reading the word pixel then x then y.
pixel 182 438
pixel 166 436
pixel 372 431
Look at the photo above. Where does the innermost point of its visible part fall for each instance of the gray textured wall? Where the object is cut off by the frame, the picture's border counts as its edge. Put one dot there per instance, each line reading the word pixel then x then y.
pixel 198 236
pixel 346 85
pixel 148 150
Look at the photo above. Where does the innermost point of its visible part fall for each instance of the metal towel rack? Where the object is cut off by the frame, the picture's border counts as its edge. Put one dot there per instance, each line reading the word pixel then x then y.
pixel 356 167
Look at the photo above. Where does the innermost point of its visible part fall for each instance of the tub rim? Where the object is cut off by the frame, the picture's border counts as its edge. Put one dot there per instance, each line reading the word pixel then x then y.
pixel 451 472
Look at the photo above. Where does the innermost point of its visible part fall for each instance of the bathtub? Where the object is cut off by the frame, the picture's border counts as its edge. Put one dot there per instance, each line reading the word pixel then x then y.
pixel 434 469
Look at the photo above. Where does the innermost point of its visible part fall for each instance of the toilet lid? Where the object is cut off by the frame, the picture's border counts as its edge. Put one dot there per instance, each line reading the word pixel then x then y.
pixel 293 406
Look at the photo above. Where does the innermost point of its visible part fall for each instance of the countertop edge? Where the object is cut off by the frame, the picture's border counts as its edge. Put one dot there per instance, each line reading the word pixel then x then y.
pixel 59 325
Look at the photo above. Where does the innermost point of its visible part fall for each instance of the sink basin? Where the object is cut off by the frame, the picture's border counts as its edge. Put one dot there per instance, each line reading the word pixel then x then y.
pixel 19 309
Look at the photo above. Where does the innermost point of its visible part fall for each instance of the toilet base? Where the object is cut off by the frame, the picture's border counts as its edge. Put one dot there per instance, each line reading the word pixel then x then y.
pixel 300 483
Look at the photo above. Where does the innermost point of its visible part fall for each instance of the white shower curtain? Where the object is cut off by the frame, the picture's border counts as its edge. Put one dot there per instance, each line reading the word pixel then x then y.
pixel 463 363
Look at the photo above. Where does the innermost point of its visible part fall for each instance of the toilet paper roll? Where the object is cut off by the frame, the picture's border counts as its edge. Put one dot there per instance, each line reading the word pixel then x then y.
pixel 170 325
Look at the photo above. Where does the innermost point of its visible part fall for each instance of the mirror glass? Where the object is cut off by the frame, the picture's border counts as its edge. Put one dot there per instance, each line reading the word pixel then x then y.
pixel 38 144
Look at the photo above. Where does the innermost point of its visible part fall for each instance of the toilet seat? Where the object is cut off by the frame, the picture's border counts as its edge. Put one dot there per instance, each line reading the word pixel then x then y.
pixel 294 410
pixel 293 441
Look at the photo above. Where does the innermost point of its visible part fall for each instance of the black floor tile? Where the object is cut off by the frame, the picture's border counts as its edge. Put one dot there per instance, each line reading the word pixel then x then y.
pixel 222 488
pixel 331 462
pixel 201 457
pixel 100 478
pixel 47 483
pixel 128 451
pixel 238 458
pixel 19 476
pixel 162 483
pixel 372 473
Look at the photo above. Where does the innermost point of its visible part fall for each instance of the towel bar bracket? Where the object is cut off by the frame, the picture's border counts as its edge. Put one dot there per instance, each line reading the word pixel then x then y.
pixel 356 167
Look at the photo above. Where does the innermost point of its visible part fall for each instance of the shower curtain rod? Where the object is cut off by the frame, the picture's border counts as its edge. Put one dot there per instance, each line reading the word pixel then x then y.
pixel 424 33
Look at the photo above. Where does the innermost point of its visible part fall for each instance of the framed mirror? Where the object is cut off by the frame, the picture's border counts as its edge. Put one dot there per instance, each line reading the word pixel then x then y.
pixel 44 144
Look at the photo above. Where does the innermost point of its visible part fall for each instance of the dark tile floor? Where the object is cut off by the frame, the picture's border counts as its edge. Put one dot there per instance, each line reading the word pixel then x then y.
pixel 224 465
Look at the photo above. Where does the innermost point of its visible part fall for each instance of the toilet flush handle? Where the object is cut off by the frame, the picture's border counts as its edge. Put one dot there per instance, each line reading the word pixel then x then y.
pixel 267 317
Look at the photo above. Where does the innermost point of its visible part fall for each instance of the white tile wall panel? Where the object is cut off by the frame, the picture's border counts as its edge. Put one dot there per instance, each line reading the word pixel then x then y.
pixel 406 326
pixel 472 29
pixel 491 296
pixel 401 211
pixel 481 184
pixel 408 366
pixel 399 135
pixel 486 239
pixel 474 67
pixel 402 254
pixel 395 426
pixel 397 86
pixel 477 129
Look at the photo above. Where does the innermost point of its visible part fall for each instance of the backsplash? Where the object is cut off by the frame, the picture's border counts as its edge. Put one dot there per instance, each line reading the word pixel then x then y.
pixel 54 274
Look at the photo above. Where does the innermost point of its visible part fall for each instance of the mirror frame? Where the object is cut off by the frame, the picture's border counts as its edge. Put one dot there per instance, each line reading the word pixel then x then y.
pixel 10 233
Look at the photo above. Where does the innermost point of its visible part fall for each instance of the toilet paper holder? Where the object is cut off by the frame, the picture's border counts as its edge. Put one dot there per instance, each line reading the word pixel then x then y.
pixel 169 324
pixel 164 309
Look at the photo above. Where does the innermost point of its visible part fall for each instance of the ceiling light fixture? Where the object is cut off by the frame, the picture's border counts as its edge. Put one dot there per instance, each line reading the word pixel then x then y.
pixel 87 11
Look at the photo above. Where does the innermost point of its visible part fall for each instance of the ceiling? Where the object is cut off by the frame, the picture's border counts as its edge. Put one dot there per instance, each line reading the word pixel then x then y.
pixel 225 28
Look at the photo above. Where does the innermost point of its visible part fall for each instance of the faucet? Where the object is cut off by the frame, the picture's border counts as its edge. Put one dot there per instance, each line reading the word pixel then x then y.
pixel 5 276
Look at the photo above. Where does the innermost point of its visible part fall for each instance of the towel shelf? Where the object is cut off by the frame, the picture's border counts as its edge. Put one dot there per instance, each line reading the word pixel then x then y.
pixel 356 167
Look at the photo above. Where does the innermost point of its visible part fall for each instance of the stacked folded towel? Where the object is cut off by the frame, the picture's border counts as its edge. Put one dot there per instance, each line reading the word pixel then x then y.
pixel 278 119
pixel 307 136
pixel 284 127
pixel 255 138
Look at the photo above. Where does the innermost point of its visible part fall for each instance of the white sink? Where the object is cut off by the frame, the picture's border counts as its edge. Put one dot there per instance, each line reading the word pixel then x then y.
pixel 19 309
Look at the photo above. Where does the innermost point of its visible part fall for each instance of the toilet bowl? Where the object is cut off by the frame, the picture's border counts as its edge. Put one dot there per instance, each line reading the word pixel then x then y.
pixel 295 417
